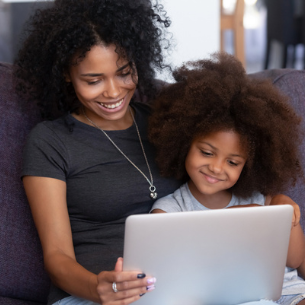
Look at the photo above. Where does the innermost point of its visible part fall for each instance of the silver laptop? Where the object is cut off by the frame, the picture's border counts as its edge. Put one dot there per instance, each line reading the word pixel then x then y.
pixel 227 256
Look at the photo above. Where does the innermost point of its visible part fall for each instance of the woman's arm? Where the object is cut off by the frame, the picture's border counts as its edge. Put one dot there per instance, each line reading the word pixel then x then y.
pixel 296 250
pixel 47 199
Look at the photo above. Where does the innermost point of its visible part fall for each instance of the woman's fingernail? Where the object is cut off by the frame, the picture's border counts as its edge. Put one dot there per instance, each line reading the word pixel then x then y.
pixel 151 287
pixel 141 275
pixel 151 280
pixel 142 294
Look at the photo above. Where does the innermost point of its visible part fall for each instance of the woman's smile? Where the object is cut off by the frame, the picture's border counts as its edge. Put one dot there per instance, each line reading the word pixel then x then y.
pixel 112 105
pixel 104 84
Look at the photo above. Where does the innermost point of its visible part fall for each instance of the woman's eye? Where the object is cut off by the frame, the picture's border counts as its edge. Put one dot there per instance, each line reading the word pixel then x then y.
pixel 125 73
pixel 93 82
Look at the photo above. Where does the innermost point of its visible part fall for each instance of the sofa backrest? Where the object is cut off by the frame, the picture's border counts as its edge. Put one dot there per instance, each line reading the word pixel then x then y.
pixel 21 265
pixel 292 83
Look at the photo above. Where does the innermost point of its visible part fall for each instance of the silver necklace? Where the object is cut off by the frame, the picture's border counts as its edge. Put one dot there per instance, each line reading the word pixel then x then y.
pixel 152 188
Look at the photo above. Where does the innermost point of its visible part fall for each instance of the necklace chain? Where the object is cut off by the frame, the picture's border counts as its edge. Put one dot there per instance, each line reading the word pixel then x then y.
pixel 152 188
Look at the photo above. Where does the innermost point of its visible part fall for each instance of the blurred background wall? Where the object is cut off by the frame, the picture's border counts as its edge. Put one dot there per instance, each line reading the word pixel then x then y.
pixel 196 30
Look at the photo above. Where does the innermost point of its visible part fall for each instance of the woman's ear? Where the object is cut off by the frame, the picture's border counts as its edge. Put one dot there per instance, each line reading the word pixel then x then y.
pixel 67 77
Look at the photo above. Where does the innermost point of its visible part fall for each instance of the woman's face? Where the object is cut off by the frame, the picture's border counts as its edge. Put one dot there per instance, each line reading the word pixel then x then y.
pixel 103 84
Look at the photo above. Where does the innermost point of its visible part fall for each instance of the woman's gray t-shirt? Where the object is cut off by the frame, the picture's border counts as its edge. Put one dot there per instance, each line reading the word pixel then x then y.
pixel 103 188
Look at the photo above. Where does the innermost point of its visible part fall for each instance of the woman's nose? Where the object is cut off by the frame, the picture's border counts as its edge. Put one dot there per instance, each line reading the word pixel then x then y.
pixel 112 89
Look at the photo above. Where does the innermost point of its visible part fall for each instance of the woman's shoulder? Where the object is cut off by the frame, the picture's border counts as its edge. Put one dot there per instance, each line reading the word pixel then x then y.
pixel 142 113
pixel 50 129
pixel 143 108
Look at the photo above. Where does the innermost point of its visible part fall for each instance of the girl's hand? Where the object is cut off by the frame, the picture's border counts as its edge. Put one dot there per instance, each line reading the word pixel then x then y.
pixel 283 199
pixel 296 249
pixel 130 285
pixel 245 206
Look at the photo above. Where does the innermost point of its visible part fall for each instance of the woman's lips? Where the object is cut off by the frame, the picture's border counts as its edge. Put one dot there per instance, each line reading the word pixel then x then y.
pixel 112 105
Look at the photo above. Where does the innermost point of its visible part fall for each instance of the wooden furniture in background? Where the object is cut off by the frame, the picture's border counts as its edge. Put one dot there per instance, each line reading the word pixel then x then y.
pixel 234 22
pixel 286 25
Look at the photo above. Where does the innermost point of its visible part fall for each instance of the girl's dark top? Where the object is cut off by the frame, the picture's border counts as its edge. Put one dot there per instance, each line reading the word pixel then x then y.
pixel 103 188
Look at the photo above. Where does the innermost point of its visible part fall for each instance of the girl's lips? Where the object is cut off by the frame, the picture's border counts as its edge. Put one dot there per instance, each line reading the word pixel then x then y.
pixel 211 179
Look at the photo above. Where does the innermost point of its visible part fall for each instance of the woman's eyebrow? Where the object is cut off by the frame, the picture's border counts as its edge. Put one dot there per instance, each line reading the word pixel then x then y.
pixel 92 74
pixel 123 67
pixel 100 74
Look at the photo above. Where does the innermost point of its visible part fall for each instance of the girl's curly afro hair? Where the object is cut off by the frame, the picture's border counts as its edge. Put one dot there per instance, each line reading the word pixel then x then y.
pixel 217 95
pixel 69 28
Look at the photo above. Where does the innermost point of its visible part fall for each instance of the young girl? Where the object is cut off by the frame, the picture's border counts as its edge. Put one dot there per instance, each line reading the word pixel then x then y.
pixel 234 142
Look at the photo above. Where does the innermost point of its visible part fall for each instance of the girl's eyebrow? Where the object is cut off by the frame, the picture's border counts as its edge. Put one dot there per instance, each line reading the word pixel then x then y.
pixel 100 74
pixel 232 155
pixel 203 142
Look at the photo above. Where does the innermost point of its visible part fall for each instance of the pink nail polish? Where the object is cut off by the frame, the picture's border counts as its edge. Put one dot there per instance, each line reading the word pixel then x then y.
pixel 151 280
pixel 151 287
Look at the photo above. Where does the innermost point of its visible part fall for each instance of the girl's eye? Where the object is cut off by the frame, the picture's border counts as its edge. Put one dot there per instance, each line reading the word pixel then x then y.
pixel 205 153
pixel 232 163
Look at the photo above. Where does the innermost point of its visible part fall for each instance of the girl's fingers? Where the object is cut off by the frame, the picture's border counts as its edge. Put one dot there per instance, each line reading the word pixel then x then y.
pixel 296 215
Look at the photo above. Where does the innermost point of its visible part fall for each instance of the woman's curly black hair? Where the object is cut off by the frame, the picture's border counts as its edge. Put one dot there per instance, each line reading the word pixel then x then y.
pixel 71 27
pixel 217 95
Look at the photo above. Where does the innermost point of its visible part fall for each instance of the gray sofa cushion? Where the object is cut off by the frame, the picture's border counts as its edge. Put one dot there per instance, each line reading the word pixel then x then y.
pixel 21 265
pixel 292 83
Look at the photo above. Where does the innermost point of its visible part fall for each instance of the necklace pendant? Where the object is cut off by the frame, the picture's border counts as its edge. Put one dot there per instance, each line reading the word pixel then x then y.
pixel 153 195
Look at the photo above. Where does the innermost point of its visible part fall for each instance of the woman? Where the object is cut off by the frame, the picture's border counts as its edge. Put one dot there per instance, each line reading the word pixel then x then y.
pixel 92 166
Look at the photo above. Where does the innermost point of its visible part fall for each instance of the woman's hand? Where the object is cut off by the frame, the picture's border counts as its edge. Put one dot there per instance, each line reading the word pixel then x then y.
pixel 283 199
pixel 47 198
pixel 122 287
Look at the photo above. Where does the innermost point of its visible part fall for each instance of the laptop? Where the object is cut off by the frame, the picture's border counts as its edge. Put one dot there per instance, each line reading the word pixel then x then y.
pixel 227 256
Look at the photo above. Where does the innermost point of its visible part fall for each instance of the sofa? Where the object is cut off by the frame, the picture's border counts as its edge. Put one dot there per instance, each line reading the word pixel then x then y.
pixel 23 280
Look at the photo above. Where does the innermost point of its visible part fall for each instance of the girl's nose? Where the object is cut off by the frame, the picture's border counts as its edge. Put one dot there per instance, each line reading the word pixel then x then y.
pixel 216 166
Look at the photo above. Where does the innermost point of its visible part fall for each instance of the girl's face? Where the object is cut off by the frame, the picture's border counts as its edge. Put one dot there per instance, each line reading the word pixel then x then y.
pixel 214 163
pixel 104 86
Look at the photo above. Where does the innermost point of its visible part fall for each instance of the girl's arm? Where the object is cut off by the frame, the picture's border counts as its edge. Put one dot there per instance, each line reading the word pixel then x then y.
pixel 301 269
pixel 296 250
pixel 47 199
pixel 157 211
